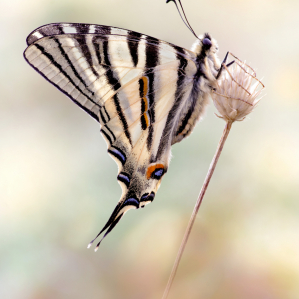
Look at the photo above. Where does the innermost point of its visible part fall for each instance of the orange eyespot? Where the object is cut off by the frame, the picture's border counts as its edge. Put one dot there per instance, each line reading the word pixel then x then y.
pixel 155 171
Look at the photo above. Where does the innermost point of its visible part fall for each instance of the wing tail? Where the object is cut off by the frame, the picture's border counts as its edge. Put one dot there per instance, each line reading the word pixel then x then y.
pixel 122 207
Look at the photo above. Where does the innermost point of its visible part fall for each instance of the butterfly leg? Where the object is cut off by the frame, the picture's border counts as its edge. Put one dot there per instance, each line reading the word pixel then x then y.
pixel 224 63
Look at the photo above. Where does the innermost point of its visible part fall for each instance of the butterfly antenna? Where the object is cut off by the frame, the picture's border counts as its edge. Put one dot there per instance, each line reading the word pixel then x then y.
pixel 185 22
pixel 186 18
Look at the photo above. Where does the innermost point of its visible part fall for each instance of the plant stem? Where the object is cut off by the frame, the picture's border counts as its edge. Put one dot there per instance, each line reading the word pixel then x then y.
pixel 197 206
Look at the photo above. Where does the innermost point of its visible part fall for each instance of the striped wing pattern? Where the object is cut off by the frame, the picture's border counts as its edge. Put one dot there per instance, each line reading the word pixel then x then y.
pixel 137 87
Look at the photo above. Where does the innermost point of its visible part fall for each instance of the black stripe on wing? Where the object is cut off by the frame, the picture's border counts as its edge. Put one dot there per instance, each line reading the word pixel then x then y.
pixel 106 131
pixel 97 50
pixel 104 115
pixel 71 65
pixel 133 43
pixel 115 84
pixel 152 60
pixel 186 117
pixel 82 42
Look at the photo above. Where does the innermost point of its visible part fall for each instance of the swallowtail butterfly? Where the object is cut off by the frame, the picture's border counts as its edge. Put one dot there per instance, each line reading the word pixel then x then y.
pixel 146 94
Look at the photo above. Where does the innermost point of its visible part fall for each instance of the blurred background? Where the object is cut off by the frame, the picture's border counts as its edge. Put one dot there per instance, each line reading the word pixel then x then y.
pixel 58 186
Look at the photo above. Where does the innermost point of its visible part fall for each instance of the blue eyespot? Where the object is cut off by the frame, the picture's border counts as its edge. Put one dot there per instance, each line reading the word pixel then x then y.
pixel 131 202
pixel 157 174
pixel 118 153
pixel 123 177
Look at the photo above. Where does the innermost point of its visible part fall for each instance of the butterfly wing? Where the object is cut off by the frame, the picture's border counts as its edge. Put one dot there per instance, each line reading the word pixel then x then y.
pixel 136 86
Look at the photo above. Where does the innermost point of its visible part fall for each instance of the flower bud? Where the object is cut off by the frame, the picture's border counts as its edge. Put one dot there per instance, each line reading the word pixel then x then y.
pixel 237 91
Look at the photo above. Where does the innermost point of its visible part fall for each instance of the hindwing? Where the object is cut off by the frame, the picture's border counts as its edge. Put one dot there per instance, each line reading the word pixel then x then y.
pixel 134 85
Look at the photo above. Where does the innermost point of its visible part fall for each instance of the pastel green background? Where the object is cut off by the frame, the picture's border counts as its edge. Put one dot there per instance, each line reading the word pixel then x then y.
pixel 58 186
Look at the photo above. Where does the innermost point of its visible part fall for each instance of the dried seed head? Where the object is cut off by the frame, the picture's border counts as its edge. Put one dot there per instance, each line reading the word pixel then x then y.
pixel 237 91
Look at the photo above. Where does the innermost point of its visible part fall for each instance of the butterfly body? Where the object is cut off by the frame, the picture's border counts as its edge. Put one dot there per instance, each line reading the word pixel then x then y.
pixel 146 94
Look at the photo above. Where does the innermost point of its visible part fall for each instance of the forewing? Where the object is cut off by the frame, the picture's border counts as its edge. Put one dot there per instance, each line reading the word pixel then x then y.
pixel 132 84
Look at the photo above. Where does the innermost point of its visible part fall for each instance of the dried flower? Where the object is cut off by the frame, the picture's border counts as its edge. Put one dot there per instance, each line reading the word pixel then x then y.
pixel 237 92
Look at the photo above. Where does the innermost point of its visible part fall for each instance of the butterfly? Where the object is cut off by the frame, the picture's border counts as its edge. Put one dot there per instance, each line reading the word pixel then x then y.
pixel 146 94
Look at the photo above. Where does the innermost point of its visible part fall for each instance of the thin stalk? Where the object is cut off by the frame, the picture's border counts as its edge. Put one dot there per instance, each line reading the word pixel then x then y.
pixel 197 206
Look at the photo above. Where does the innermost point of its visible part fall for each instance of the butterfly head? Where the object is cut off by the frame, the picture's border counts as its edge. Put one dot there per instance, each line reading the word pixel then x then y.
pixel 206 48
pixel 205 45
